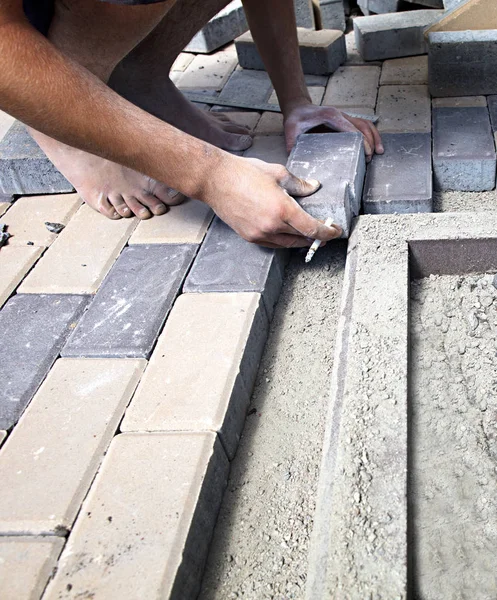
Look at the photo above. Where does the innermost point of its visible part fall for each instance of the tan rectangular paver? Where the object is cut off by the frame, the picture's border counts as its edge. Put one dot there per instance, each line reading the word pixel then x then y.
pixel 316 92
pixel 404 108
pixel 81 256
pixel 271 123
pixel 128 543
pixel 208 72
pixel 26 563
pixel 15 262
pixel 270 148
pixel 27 217
pixel 461 101
pixel 182 61
pixel 183 224
pixel 4 206
pixel 50 458
pixel 412 70
pixel 207 337
pixel 353 86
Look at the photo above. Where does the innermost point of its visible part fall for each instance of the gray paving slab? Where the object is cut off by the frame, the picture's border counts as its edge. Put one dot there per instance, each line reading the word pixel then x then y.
pixel 462 63
pixel 129 309
pixel 400 180
pixel 226 26
pixel 24 168
pixel 252 87
pixel 332 14
pixel 304 13
pixel 337 161
pixel 34 329
pixel 228 263
pixel 381 7
pixel 463 149
pixel 393 35
pixel 492 109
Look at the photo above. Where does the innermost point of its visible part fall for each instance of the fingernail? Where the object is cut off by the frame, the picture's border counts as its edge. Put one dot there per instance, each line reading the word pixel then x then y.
pixel 380 149
pixel 315 183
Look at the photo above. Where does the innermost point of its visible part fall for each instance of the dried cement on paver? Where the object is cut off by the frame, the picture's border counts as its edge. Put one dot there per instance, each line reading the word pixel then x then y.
pixel 261 542
pixel 451 201
pixel 453 399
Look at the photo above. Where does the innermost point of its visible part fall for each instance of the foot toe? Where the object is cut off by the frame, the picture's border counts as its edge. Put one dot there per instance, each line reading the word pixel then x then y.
pixel 102 205
pixel 235 142
pixel 120 205
pixel 137 207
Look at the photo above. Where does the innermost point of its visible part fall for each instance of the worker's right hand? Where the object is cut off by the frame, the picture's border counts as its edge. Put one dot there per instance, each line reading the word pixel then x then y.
pixel 255 199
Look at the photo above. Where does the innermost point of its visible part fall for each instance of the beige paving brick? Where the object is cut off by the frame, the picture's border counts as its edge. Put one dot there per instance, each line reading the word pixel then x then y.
pixel 247 118
pixel 461 101
pixel 26 563
pixel 214 341
pixel 182 61
pixel 130 540
pixel 271 149
pixel 183 224
pixel 50 458
pixel 27 217
pixel 316 92
pixel 3 435
pixel 208 72
pixel 81 256
pixel 353 86
pixel 5 123
pixel 15 262
pixel 4 206
pixel 359 110
pixel 271 123
pixel 404 108
pixel 405 71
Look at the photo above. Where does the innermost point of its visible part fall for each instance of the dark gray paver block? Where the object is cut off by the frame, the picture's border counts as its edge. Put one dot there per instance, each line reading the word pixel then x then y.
pixel 132 304
pixel 400 180
pixel 462 63
pixel 33 328
pixel 463 149
pixel 252 87
pixel 332 14
pixel 24 168
pixel 393 35
pixel 321 52
pixel 492 109
pixel 227 25
pixel 337 161
pixel 304 13
pixel 228 263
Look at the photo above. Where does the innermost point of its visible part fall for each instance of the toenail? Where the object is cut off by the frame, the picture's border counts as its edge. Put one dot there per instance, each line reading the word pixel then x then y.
pixel 160 210
pixel 125 209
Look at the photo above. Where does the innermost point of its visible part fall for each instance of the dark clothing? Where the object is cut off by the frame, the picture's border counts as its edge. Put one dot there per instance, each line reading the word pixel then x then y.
pixel 40 12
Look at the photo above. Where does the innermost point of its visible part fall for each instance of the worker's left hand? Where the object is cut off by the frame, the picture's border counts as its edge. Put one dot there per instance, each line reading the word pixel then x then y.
pixel 307 116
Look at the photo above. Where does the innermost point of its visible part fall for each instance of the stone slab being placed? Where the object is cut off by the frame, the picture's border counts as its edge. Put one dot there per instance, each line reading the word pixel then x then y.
pixel 400 180
pixel 463 149
pixel 404 109
pixel 412 70
pixel 15 262
pixel 24 168
pixel 182 224
pixel 364 475
pixel 34 329
pixel 332 14
pixel 129 309
pixel 27 217
pixel 393 35
pixel 228 263
pixel 26 564
pixel 81 256
pixel 226 26
pixel 353 86
pixel 463 63
pixel 60 441
pixel 248 87
pixel 145 527
pixel 337 161
pixel 215 342
pixel 321 52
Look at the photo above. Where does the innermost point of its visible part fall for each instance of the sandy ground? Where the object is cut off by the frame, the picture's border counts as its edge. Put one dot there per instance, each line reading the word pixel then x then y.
pixel 453 474
pixel 261 540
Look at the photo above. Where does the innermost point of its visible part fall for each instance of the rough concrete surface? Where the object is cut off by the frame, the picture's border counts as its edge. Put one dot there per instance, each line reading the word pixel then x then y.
pixel 453 399
pixel 262 537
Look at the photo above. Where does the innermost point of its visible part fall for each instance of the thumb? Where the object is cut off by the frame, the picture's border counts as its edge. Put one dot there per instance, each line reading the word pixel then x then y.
pixel 296 186
pixel 310 227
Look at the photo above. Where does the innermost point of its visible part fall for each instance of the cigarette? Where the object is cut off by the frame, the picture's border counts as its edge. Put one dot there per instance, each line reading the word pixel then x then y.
pixel 317 243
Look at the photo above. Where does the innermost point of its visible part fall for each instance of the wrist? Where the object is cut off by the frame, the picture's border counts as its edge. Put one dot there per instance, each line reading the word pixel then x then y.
pixel 293 104
pixel 215 168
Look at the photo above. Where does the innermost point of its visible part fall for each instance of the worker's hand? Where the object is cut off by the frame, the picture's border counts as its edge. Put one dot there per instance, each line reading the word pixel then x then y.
pixel 307 116
pixel 254 199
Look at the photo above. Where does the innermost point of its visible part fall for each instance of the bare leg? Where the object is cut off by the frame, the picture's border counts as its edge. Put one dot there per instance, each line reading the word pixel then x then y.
pixel 143 76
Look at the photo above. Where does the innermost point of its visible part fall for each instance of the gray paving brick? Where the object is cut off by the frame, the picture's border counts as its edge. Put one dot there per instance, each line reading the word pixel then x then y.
pixel 227 25
pixel 24 168
pixel 462 63
pixel 304 13
pixel 332 14
pixel 337 161
pixel 34 328
pixel 463 149
pixel 247 86
pixel 430 3
pixel 321 52
pixel 492 109
pixel 381 7
pixel 271 149
pixel 128 312
pixel 393 35
pixel 228 263
pixel 400 180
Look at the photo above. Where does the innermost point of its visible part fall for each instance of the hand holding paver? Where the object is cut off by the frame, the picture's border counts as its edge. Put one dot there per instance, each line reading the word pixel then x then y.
pixel 254 199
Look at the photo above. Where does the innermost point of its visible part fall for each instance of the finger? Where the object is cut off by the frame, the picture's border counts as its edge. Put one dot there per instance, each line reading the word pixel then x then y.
pixel 310 227
pixel 295 186
pixel 284 240
pixel 120 205
pixel 378 144
pixel 137 207
pixel 362 126
pixel 103 206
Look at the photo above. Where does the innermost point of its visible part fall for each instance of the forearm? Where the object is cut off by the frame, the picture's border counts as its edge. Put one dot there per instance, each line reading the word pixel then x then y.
pixel 274 31
pixel 54 95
